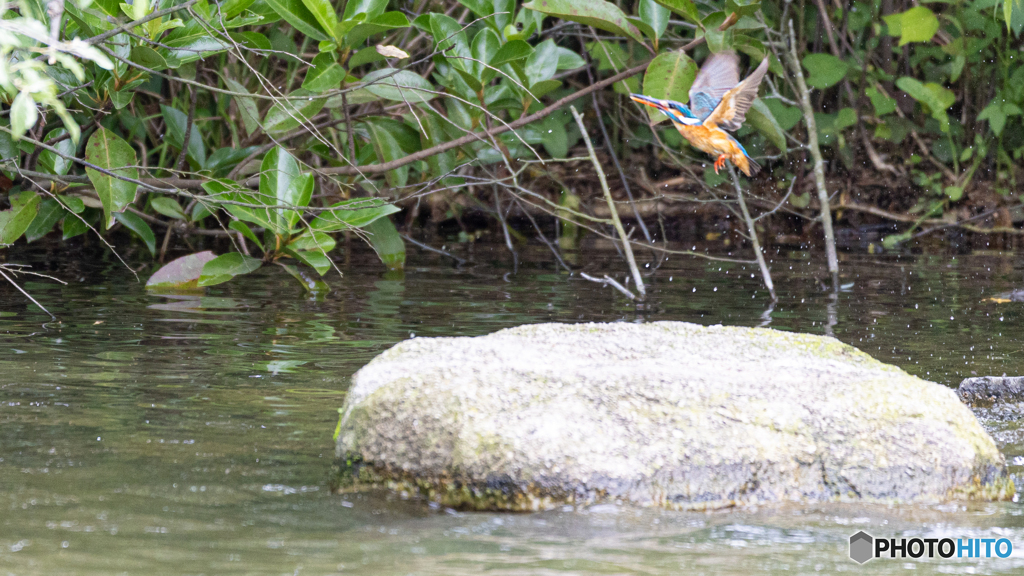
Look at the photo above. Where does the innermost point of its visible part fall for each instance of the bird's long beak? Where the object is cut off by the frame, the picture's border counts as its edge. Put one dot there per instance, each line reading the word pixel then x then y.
pixel 652 102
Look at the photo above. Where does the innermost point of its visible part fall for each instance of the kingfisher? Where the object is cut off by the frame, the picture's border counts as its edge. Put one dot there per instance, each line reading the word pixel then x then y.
pixel 718 102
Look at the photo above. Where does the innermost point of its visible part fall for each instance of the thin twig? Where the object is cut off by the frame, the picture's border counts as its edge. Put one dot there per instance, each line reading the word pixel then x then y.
pixel 609 281
pixel 611 206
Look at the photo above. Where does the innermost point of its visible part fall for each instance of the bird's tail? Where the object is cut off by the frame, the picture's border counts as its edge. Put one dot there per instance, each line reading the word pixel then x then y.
pixel 751 168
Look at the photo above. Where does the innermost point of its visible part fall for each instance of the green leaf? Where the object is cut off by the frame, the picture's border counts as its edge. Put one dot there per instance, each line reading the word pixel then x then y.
pixel 996 116
pixel 826 70
pixel 323 12
pixel 383 23
pixel 882 104
pixel 325 74
pixel 73 203
pixel 314 259
pixel 14 222
pixel 685 8
pixel 312 240
pixel 281 181
pixel 312 285
pixel 168 207
pixel 295 13
pixel 74 225
pixel 54 163
pixel 511 51
pixel 450 39
pixel 434 133
pixel 485 47
pixel 934 97
pixel 287 115
pixel 239 226
pixel 48 213
pixel 225 267
pixel 555 138
pixel 543 63
pixel 137 225
pixel 232 8
pixel 226 190
pixel 597 13
pixel 845 118
pixel 372 8
pixel 192 48
pixel 918 24
pixel 654 15
pixel 668 77
pixel 387 149
pixel 148 58
pixel 1013 15
pixel 108 151
pixel 569 60
pixel 351 214
pixel 251 40
pixel 384 238
pixel 399 85
pixel 23 114
pixel 176 121
pixel 182 273
pixel 246 106
pixel 761 118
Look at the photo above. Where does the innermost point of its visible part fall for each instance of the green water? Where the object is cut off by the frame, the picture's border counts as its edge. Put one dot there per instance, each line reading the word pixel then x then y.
pixel 146 434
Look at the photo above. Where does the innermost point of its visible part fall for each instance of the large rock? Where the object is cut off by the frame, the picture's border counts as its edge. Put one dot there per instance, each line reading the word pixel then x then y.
pixel 667 413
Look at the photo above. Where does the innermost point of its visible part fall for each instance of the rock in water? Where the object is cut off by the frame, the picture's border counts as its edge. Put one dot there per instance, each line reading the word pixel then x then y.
pixel 991 389
pixel 660 414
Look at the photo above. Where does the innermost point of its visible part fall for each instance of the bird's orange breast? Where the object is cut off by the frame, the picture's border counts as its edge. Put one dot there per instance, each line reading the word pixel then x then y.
pixel 714 141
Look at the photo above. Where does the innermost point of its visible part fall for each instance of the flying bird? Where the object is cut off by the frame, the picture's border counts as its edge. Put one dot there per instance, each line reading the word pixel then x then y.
pixel 718 102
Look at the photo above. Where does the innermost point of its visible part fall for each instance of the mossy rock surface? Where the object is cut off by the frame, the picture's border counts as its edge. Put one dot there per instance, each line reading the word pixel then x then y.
pixel 660 414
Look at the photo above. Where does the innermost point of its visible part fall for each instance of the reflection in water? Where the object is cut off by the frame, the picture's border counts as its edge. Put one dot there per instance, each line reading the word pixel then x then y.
pixel 188 434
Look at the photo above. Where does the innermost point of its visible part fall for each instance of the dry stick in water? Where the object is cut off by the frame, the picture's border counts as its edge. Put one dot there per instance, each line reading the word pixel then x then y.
pixel 765 273
pixel 819 163
pixel 611 206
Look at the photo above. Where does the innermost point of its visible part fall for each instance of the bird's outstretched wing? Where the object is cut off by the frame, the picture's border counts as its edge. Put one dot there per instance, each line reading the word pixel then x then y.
pixel 719 74
pixel 732 110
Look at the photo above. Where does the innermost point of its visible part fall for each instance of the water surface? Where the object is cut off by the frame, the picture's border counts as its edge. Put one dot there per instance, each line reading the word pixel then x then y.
pixel 146 434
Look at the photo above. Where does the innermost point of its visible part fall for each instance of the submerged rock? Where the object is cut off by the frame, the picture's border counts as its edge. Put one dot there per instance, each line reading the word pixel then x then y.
pixel 664 414
pixel 991 389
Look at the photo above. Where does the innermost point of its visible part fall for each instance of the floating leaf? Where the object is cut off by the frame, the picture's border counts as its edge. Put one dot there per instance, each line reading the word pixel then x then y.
pixel 182 273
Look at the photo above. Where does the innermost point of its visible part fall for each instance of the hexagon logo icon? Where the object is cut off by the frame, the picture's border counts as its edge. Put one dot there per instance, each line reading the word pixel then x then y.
pixel 861 547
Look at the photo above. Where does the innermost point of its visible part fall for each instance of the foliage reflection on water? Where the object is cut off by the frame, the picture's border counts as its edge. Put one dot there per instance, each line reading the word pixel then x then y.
pixel 192 434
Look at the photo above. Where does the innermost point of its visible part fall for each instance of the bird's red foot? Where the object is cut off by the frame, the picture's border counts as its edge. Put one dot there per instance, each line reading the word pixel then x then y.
pixel 720 163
